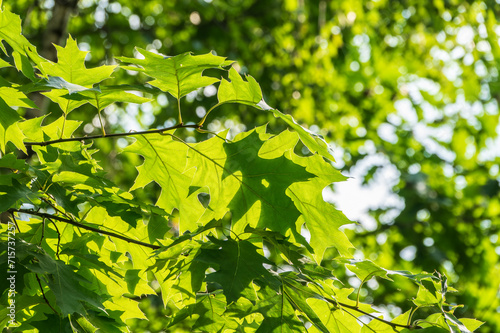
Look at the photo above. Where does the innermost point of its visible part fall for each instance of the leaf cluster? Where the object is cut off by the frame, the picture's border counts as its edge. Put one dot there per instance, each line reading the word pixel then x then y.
pixel 235 241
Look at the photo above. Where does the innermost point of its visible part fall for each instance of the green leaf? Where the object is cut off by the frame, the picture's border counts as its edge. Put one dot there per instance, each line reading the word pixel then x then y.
pixel 425 297
pixel 13 193
pixel 238 91
pixel 297 295
pixel 279 314
pixel 313 141
pixel 106 96
pixel 36 132
pixel 381 327
pixel 60 83
pixel 23 64
pixel 68 287
pixel 178 75
pixel 164 163
pixel 209 313
pixel 14 97
pixel 241 265
pixel 261 200
pixel 471 324
pixel 71 66
pixel 4 64
pixel 9 129
pixel 365 269
pixel 10 31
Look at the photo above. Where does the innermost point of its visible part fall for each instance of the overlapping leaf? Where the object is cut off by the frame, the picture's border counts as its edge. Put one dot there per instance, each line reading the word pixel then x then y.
pixel 241 265
pixel 71 68
pixel 9 119
pixel 164 163
pixel 67 286
pixel 106 96
pixel 253 273
pixel 248 92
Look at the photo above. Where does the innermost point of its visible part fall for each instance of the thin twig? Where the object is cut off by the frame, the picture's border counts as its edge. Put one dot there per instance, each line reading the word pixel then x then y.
pixel 355 308
pixel 58 238
pixel 15 222
pixel 83 226
pixel 43 232
pixel 43 294
pixel 100 136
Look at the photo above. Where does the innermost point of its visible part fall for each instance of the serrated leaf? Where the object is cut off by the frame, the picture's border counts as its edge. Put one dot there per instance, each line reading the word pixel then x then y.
pixel 178 75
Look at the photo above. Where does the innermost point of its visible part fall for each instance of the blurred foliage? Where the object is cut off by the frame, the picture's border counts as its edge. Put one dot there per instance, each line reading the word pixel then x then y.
pixel 413 82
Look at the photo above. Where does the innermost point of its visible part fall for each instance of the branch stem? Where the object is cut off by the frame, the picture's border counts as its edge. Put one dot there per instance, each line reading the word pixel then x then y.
pixel 100 136
pixel 83 226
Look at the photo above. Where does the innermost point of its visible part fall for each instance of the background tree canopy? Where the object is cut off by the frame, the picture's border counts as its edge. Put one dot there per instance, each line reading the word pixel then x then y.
pixel 405 91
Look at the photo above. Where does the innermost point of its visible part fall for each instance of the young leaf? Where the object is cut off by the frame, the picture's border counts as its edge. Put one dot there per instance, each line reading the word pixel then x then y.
pixel 238 91
pixel 313 141
pixel 178 75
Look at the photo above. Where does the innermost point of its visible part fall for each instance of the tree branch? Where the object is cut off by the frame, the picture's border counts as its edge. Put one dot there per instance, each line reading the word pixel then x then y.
pixel 79 225
pixel 100 136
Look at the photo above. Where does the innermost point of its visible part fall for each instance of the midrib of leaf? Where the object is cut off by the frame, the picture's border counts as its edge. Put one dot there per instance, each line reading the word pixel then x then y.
pixel 211 307
pixel 290 299
pixel 178 91
pixel 282 306
pixel 237 266
pixel 162 162
pixel 230 173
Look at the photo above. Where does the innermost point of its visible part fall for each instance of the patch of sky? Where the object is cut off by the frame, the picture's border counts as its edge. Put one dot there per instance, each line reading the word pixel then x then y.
pixel 356 199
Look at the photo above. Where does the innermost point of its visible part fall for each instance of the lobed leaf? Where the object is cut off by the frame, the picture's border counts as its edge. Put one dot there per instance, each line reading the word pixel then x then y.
pixel 178 75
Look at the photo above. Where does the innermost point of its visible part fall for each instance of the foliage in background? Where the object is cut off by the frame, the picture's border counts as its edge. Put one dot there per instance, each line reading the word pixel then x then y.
pixel 412 83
